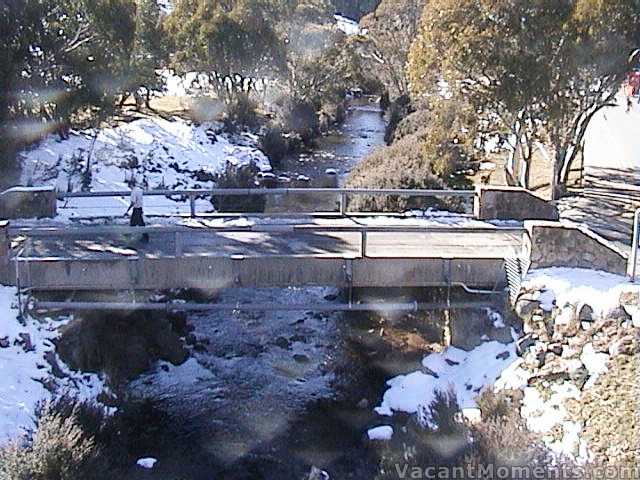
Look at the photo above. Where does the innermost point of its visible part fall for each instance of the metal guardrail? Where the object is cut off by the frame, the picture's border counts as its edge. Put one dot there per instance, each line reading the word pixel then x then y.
pixel 342 194
pixel 178 232
pixel 633 258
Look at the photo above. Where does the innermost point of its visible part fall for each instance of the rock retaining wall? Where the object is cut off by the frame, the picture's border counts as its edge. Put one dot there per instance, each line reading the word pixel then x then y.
pixel 511 203
pixel 558 244
pixel 28 202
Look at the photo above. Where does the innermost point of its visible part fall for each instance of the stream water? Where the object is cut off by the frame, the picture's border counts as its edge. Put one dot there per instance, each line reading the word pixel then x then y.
pixel 268 395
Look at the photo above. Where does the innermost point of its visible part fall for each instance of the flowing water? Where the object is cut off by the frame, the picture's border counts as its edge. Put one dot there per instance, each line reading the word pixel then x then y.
pixel 267 395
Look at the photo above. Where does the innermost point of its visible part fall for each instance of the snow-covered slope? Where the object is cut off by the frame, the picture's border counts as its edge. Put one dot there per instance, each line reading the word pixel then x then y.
pixel 24 370
pixel 168 154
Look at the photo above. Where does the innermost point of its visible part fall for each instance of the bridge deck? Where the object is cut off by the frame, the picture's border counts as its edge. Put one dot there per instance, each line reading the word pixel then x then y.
pixel 335 244
pixel 268 255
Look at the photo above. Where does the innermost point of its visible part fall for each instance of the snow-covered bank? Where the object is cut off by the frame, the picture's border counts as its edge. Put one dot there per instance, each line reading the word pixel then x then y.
pixel 464 373
pixel 168 154
pixel 577 323
pixel 26 373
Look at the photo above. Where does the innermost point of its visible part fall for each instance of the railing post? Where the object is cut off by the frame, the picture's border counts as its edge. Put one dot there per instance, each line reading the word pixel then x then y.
pixel 192 205
pixel 363 243
pixel 178 243
pixel 634 245
pixel 343 204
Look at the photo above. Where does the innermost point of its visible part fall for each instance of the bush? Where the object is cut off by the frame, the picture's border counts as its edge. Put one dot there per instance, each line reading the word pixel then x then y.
pixel 413 123
pixel 401 165
pixel 67 444
pixel 241 112
pixel 396 112
pixel 239 177
pixel 274 144
pixel 299 117
pixel 121 346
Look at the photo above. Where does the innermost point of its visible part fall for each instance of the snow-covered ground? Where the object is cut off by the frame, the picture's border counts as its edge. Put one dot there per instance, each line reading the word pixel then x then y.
pixel 561 288
pixel 465 374
pixel 24 369
pixel 163 154
pixel 577 286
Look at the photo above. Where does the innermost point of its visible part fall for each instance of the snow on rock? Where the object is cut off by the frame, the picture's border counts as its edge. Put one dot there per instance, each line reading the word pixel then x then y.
pixel 168 154
pixel 24 369
pixel 577 286
pixel 349 26
pixel 464 373
pixel 596 363
pixel 384 432
pixel 147 462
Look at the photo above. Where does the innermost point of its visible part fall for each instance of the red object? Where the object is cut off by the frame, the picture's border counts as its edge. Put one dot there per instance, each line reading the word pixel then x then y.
pixel 633 80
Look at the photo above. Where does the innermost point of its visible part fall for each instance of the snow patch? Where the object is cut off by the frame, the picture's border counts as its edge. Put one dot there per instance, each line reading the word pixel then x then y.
pixel 464 373
pixel 24 371
pixel 147 463
pixel 380 433
pixel 576 286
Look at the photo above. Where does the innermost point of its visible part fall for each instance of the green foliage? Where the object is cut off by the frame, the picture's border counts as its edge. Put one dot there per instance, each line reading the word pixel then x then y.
pixel 274 144
pixel 235 42
pixel 534 71
pixel 425 158
pixel 392 29
pixel 64 446
pixel 239 177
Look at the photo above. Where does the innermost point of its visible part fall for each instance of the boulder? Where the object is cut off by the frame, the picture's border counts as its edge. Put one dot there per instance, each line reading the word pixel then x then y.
pixel 526 306
pixel 566 323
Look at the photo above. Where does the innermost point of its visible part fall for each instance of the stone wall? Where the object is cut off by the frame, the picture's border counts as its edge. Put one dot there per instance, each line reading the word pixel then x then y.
pixel 28 202
pixel 511 203
pixel 558 244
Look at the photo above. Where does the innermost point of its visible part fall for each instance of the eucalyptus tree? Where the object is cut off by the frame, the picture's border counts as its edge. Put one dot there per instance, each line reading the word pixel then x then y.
pixel 535 70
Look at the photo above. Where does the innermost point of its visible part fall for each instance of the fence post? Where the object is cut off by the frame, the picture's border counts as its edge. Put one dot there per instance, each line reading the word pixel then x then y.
pixel 178 243
pixel 363 243
pixel 343 204
pixel 634 245
pixel 5 250
pixel 192 205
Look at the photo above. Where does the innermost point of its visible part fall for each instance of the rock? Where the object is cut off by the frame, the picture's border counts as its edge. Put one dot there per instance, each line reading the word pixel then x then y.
pixel 26 342
pixel 52 360
pixel 526 306
pixel 630 298
pixel 566 323
pixel 317 474
pixel 569 352
pixel 283 343
pixel 623 346
pixel 4 342
pixel 619 315
pixel 555 348
pixel 301 358
pixel 364 404
pixel 585 313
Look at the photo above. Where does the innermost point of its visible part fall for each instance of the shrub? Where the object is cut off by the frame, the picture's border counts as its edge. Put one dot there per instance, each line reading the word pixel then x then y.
pixel 239 177
pixel 396 111
pixel 274 144
pixel 65 445
pixel 241 112
pixel 299 117
pixel 401 165
pixel 413 123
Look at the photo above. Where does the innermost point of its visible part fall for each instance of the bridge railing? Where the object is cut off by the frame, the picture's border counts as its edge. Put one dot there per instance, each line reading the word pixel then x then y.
pixel 341 194
pixel 178 233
